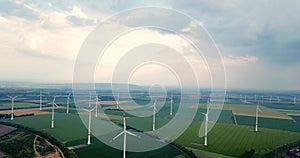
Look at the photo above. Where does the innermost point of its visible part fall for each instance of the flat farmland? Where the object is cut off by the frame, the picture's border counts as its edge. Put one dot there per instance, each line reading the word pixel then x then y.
pixel 35 111
pixel 234 140
pixel 6 129
pixel 70 130
pixel 272 123
pixel 18 105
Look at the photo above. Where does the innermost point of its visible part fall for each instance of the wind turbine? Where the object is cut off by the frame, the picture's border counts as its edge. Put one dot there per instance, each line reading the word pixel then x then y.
pixel 52 119
pixel 256 117
pixel 125 132
pixel 227 96
pixel 68 102
pixel 171 109
pixel 206 125
pixel 262 99
pixel 90 119
pixel 90 99
pixel 154 111
pixel 40 100
pixel 294 100
pixel 97 104
pixel 117 101
pixel 12 106
pixel 255 97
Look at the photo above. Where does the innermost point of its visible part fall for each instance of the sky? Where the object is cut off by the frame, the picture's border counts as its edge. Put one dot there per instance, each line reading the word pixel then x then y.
pixel 258 40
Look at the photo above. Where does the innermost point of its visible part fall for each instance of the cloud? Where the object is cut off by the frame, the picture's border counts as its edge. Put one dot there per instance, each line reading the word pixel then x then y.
pixel 12 8
pixel 254 36
pixel 231 60
pixel 52 36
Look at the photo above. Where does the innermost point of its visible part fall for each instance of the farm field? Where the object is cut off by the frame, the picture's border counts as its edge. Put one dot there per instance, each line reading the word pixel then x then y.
pixel 279 123
pixel 71 131
pixel 107 151
pixel 234 140
pixel 272 123
pixel 18 105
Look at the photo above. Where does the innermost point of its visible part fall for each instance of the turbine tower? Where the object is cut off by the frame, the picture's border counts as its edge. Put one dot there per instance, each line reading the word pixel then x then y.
pixel 12 106
pixel 206 125
pixel 90 120
pixel 227 96
pixel 125 132
pixel 171 108
pixel 154 111
pixel 68 102
pixel 40 100
pixel 52 119
pixel 256 117
pixel 97 104
pixel 255 97
pixel 262 99
pixel 117 101
pixel 294 100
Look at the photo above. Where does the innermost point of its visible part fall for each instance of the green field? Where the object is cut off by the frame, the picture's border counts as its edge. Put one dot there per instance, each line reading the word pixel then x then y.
pixel 18 105
pixel 234 140
pixel 272 123
pixel 71 131
pixel 108 152
pixel 225 138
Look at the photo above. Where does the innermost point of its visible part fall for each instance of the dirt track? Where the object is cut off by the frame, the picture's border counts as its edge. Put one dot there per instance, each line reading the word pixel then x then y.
pixel 35 111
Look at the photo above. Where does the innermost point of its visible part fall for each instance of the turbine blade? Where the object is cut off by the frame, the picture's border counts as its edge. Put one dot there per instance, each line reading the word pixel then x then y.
pixel 94 108
pixel 131 134
pixel 259 110
pixel 85 109
pixel 202 113
pixel 118 135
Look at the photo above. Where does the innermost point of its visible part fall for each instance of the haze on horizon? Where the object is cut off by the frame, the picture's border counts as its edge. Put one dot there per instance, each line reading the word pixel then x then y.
pixel 259 40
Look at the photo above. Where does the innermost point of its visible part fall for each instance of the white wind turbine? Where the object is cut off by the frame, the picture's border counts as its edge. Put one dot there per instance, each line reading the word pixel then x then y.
pixel 256 117
pixel 262 99
pixel 154 112
pixel 12 106
pixel 90 120
pixel 68 102
pixel 294 100
pixel 206 122
pixel 97 104
pixel 117 101
pixel 171 108
pixel 227 96
pixel 125 132
pixel 41 101
pixel 52 119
